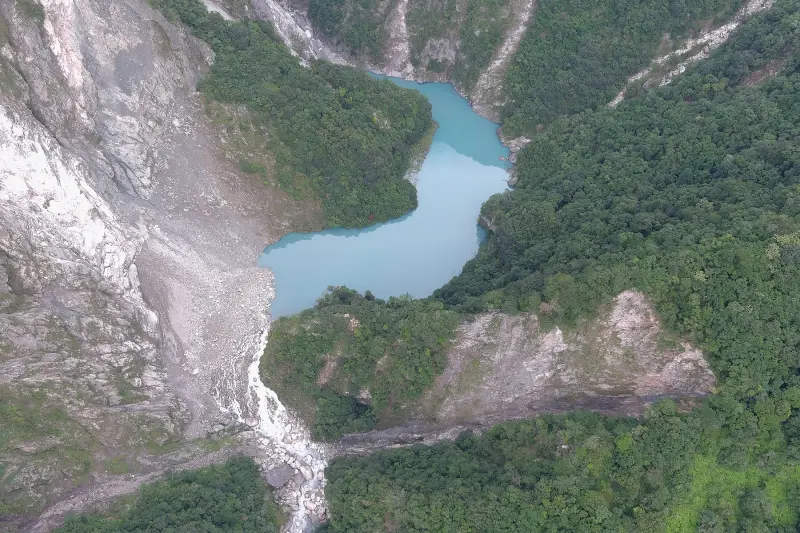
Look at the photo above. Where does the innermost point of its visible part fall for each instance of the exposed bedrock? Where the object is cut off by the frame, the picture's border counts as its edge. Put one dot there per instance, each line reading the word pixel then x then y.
pixel 506 367
pixel 130 302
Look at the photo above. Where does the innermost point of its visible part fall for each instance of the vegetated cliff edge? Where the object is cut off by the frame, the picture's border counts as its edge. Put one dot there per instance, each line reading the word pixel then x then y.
pixel 466 42
pixel 353 364
pixel 490 50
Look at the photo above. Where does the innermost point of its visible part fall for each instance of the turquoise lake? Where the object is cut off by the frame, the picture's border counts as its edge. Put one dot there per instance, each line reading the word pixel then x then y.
pixel 419 252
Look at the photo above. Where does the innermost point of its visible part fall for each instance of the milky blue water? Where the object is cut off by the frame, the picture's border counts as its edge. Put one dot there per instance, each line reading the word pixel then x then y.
pixel 420 251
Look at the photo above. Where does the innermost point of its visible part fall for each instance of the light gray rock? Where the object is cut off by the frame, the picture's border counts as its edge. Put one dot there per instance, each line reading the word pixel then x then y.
pixel 128 243
pixel 277 477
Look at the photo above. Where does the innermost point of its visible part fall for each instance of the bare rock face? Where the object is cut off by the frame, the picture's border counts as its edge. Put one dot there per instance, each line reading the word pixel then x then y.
pixel 488 96
pixel 291 20
pixel 81 379
pixel 278 477
pixel 506 366
pixel 130 300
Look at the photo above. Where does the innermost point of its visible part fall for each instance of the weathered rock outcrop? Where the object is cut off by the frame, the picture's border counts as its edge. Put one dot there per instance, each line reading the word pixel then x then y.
pixel 506 367
pixel 663 69
pixel 131 306
pixel 488 97
pixel 292 22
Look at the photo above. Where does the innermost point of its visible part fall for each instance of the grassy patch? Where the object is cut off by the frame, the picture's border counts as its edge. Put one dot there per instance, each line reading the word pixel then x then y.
pixel 26 416
pixel 213 445
pixel 125 389
pixel 668 341
pixel 256 152
pixel 716 486
pixel 119 466
pixel 3 31
pixel 162 40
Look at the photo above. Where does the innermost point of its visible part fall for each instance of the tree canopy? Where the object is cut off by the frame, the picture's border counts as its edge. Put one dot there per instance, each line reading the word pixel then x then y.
pixel 358 25
pixel 348 134
pixel 689 193
pixel 577 54
pixel 216 499
pixel 354 361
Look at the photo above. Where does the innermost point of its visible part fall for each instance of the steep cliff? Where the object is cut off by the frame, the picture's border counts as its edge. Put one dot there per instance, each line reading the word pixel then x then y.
pixel 512 367
pixel 131 303
pixel 468 42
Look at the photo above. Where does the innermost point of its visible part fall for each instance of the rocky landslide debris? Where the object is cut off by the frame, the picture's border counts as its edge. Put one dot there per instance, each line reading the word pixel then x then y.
pixel 131 307
pixel 507 366
pixel 487 96
pixel 692 51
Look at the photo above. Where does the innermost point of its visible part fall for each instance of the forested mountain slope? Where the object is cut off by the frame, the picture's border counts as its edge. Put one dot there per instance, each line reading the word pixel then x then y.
pixel 688 192
pixel 133 207
pixel 520 62
pixel 577 54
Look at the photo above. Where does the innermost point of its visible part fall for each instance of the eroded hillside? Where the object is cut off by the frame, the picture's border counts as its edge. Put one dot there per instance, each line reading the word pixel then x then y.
pixel 413 370
pixel 129 237
pixel 509 366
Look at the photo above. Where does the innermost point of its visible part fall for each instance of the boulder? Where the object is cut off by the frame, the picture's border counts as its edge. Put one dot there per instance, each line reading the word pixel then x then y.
pixel 278 476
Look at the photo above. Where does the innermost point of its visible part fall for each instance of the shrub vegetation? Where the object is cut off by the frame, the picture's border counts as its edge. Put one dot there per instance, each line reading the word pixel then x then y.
pixel 216 499
pixel 350 135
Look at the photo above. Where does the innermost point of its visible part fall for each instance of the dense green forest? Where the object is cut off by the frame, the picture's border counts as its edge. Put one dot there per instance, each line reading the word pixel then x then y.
pixel 659 194
pixel 692 194
pixel 578 472
pixel 216 499
pixel 577 54
pixel 320 361
pixel 350 135
pixel 359 25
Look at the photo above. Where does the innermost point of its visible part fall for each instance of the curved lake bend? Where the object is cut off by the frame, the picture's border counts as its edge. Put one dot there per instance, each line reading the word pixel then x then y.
pixel 419 252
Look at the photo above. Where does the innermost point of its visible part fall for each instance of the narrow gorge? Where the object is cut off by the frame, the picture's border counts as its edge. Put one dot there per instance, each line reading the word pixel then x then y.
pixel 158 221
